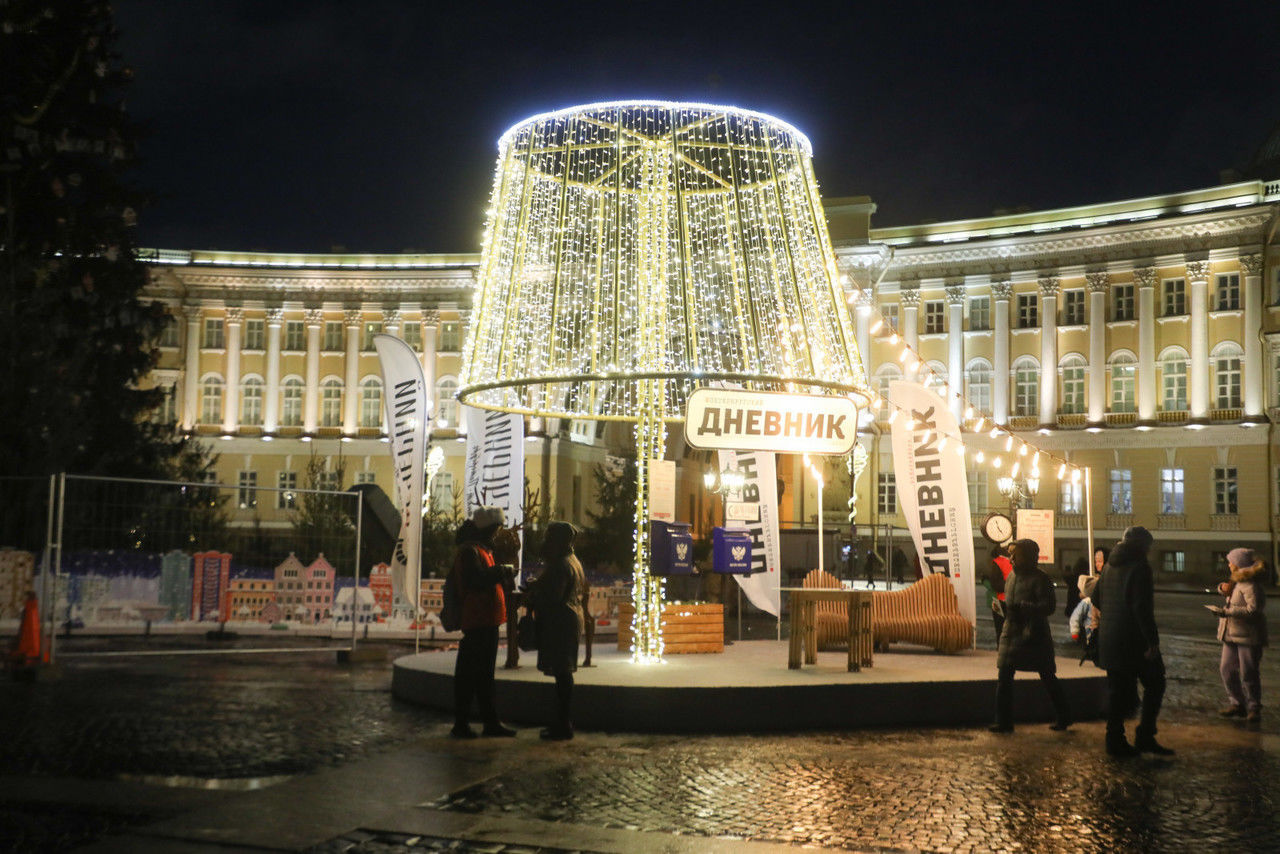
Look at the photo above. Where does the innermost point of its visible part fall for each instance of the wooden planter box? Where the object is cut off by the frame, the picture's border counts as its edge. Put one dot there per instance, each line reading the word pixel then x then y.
pixel 688 628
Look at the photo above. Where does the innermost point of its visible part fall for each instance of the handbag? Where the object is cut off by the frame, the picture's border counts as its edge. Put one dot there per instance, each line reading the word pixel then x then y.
pixel 527 633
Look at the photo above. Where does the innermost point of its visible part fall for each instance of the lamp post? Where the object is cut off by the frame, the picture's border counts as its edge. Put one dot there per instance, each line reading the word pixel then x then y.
pixel 1017 490
pixel 817 477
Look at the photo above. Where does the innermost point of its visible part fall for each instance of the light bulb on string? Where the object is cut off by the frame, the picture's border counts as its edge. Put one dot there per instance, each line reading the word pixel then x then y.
pixel 1017 467
pixel 1062 471
pixel 995 462
pixel 995 431
pixel 1008 444
pixel 1022 451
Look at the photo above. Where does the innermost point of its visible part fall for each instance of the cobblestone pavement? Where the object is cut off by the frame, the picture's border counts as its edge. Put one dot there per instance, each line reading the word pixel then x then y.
pixel 231 718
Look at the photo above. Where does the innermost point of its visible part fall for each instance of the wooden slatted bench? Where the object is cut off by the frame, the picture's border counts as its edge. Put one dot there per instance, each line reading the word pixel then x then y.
pixel 687 628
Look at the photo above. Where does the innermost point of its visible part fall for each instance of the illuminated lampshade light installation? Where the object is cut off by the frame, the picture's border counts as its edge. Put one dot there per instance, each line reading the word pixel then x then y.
pixel 637 251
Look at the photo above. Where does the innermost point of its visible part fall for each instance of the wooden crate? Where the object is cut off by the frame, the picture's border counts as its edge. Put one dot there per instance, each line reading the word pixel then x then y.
pixel 687 628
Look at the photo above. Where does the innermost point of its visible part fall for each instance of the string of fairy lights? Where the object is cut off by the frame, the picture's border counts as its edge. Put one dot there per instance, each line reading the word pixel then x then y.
pixel 1024 458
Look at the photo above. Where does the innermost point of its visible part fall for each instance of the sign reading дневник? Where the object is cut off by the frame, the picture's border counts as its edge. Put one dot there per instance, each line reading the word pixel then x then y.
pixel 722 418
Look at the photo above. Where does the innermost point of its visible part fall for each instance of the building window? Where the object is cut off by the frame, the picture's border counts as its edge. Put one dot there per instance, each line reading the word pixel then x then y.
pixel 1121 491
pixel 451 336
pixel 370 329
pixel 1175 297
pixel 933 316
pixel 979 379
pixel 291 409
pixel 287 498
pixel 1228 292
pixel 1073 385
pixel 169 334
pixel 1026 387
pixel 887 494
pixel 1122 302
pixel 251 402
pixel 167 411
pixel 1172 484
pixel 255 334
pixel 446 406
pixel 248 490
pixel 213 334
pixel 413 335
pixel 1070 497
pixel 365 477
pixel 330 481
pixel 331 404
pixel 1174 562
pixel 1028 311
pixel 1224 491
pixel 1226 370
pixel 1173 369
pixel 977 485
pixel 295 335
pixel 371 403
pixel 1123 368
pixel 887 374
pixel 1073 307
pixel 333 336
pixel 211 401
pixel 442 493
pixel 980 313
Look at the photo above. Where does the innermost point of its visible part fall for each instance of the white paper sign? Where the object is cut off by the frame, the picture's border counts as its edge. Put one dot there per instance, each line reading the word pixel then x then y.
pixel 662 490
pixel 1037 525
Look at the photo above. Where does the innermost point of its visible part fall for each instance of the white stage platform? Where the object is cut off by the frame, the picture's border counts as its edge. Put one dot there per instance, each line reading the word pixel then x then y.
pixel 749 688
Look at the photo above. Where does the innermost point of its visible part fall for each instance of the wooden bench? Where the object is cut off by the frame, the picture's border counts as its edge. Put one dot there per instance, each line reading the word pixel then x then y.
pixel 686 628
pixel 926 613
pixel 831 618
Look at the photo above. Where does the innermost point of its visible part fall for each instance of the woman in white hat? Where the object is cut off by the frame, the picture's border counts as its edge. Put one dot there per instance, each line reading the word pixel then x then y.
pixel 1242 628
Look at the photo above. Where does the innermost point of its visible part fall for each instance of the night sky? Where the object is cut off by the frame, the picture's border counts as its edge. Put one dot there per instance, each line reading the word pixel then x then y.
pixel 371 124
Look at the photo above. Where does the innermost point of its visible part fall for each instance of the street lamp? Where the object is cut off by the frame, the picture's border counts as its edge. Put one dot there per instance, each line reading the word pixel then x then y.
pixel 1017 490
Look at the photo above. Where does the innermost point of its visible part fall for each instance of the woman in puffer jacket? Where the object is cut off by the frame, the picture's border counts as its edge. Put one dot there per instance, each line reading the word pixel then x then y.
pixel 1242 628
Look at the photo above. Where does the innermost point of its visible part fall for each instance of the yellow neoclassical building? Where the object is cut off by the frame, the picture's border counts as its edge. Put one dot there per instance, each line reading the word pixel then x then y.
pixel 1139 338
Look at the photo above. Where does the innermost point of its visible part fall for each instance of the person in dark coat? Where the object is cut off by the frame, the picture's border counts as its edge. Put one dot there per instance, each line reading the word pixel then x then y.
pixel 556 596
pixel 480 581
pixel 1026 642
pixel 1129 643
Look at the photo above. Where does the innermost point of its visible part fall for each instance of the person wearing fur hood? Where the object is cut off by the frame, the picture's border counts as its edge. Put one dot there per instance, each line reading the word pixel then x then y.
pixel 1242 628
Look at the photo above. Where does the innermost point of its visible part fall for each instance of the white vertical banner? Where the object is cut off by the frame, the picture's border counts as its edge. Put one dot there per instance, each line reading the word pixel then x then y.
pixel 932 489
pixel 494 474
pixel 760 484
pixel 405 398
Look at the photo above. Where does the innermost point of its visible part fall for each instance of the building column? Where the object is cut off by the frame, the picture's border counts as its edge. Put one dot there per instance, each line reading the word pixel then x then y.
pixel 1001 292
pixel 1198 390
pixel 392 320
pixel 191 372
pixel 1145 280
pixel 862 317
pixel 1254 381
pixel 350 399
pixel 271 407
pixel 311 394
pixel 1099 286
pixel 909 296
pixel 955 349
pixel 430 329
pixel 231 391
pixel 1048 351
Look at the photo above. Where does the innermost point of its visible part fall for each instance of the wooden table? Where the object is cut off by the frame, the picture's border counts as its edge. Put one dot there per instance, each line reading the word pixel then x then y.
pixel 804 629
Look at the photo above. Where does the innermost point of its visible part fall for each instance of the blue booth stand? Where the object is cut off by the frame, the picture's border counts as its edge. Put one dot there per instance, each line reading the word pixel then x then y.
pixel 731 551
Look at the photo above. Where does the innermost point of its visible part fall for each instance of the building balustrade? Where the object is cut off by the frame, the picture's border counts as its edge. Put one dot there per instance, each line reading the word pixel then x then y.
pixel 1171 521
pixel 1072 521
pixel 1226 414
pixel 1119 521
pixel 1172 416
pixel 1024 422
pixel 1224 522
pixel 1071 420
pixel 1121 419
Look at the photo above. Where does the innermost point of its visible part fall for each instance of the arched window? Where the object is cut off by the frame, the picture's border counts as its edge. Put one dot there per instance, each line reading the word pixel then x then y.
pixel 885 375
pixel 251 402
pixel 978 379
pixel 1123 368
pixel 1173 380
pixel 291 403
pixel 446 406
pixel 1226 374
pixel 1073 371
pixel 371 403
pixel 331 403
pixel 1026 387
pixel 211 401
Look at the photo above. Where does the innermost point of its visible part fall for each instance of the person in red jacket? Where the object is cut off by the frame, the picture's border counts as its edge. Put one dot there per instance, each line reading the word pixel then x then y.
pixel 997 574
pixel 484 610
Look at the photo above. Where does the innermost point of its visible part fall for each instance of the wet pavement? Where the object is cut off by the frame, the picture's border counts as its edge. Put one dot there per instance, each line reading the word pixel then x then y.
pixel 227 723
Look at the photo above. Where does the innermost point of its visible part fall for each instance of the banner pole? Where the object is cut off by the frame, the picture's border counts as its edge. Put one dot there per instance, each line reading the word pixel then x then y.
pixel 1088 513
pixel 355 575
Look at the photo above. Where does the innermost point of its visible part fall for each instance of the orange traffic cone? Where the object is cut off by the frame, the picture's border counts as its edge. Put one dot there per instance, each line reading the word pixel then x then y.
pixel 26 652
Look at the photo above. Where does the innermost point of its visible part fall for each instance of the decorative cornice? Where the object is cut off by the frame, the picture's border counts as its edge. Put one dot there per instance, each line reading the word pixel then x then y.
pixel 235 314
pixel 956 294
pixel 313 316
pixel 1099 281
pixel 1048 286
pixel 351 316
pixel 1002 289
pixel 1251 264
pixel 275 316
pixel 392 317
pixel 909 294
pixel 1145 277
pixel 1198 270
pixel 430 317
